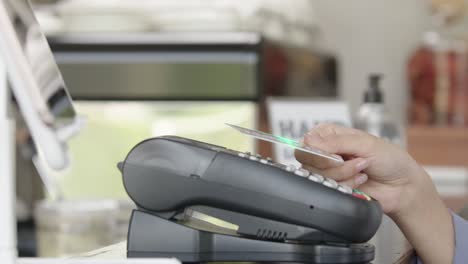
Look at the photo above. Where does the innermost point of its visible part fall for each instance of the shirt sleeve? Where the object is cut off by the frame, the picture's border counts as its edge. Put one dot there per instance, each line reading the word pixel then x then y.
pixel 461 241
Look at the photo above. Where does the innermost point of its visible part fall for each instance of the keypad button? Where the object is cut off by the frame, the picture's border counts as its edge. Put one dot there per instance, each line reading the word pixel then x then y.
pixel 316 178
pixel 254 158
pixel 302 172
pixel 330 183
pixel 345 189
pixel 361 195
pixel 290 168
pixel 321 178
pixel 280 166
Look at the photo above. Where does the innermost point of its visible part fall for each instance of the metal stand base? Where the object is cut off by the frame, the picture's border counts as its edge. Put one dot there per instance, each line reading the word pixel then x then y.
pixel 152 236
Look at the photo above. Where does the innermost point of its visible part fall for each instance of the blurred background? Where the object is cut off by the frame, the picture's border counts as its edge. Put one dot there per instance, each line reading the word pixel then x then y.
pixel 138 69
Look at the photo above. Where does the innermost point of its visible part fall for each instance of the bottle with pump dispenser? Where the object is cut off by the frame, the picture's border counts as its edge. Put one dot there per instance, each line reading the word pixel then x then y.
pixel 373 117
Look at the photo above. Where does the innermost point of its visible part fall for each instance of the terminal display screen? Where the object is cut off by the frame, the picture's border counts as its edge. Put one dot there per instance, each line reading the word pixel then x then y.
pixel 51 100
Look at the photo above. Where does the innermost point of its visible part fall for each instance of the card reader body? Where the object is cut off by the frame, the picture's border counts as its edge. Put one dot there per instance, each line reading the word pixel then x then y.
pixel 201 203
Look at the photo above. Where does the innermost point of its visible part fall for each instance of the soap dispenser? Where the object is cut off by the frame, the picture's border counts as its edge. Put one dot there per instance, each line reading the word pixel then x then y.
pixel 373 117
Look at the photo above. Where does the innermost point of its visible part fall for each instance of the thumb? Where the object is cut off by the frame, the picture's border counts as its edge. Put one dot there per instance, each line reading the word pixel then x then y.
pixel 340 140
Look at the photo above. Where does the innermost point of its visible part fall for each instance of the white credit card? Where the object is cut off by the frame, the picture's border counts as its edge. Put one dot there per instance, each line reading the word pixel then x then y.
pixel 286 141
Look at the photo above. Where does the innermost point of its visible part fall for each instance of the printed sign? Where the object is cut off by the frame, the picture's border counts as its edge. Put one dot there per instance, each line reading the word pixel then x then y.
pixel 294 118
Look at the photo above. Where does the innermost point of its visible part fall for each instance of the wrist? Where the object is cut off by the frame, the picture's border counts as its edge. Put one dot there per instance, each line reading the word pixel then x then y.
pixel 415 195
pixel 423 216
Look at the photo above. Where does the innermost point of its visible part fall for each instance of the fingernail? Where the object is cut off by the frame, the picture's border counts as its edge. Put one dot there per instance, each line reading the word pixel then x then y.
pixel 338 157
pixel 362 165
pixel 361 179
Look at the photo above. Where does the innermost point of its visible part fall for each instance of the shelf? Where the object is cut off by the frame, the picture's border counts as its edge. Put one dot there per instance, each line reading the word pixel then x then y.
pixel 441 146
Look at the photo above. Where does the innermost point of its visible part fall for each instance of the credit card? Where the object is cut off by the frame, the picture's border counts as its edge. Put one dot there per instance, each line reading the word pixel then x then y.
pixel 286 141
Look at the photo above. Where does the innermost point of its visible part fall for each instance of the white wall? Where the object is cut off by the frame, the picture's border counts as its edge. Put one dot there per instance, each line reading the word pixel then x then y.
pixel 372 36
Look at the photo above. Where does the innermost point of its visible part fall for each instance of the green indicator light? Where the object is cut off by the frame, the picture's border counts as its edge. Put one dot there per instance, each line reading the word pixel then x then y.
pixel 287 141
pixel 358 191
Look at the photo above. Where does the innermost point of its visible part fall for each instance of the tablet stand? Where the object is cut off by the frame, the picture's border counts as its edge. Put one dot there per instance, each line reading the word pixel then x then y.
pixel 8 251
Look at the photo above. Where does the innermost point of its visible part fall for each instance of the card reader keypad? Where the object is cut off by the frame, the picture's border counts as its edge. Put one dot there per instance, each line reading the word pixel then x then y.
pixel 301 172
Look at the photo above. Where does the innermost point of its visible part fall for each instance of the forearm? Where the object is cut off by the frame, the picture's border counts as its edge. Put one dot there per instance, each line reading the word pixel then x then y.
pixel 426 221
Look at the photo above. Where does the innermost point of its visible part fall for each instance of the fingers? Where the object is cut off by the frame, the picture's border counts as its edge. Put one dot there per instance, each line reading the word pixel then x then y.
pixel 351 180
pixel 355 181
pixel 344 172
pixel 315 161
pixel 338 140
pixel 347 170
pixel 312 169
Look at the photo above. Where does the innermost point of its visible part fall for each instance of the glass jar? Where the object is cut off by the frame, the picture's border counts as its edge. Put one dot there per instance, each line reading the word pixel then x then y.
pixel 66 228
pixel 437 72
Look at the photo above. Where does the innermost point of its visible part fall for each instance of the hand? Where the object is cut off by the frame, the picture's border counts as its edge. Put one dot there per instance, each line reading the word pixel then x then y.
pixel 392 177
pixel 376 166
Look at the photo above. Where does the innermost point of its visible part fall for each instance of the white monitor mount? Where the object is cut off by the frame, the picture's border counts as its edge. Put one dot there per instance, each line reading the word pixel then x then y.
pixel 8 250
pixel 17 78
